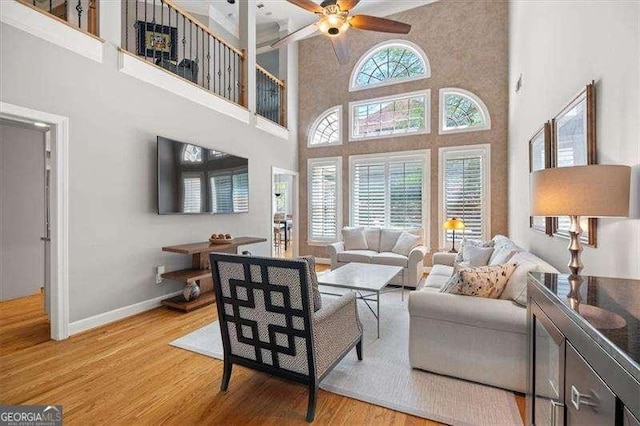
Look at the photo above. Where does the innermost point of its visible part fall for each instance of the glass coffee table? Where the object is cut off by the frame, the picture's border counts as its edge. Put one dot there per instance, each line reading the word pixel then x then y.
pixel 367 280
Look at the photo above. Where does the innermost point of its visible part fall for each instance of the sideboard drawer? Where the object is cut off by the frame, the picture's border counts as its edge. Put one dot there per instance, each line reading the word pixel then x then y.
pixel 589 400
pixel 629 419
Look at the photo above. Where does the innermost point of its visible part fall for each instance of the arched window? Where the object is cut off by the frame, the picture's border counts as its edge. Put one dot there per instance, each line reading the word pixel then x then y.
pixel 462 111
pixel 327 129
pixel 191 154
pixel 391 62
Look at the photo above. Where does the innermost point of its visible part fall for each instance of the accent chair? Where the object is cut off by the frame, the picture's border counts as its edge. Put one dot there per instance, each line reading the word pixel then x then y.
pixel 272 321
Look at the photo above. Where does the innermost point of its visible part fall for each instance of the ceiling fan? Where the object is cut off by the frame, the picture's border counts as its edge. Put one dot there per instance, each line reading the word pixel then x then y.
pixel 335 20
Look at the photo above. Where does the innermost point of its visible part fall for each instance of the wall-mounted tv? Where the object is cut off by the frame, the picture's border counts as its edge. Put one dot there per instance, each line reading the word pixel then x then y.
pixel 196 180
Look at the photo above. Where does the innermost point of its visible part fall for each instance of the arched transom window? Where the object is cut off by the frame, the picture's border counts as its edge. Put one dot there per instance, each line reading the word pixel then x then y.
pixel 327 129
pixel 391 62
pixel 462 111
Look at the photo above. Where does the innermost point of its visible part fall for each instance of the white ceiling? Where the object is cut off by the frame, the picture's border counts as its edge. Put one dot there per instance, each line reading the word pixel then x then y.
pixel 272 12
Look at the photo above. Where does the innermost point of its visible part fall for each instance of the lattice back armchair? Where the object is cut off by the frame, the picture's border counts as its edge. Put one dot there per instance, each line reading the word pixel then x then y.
pixel 268 322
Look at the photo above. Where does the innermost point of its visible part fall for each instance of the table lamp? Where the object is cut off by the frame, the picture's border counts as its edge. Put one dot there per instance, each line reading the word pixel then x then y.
pixel 453 224
pixel 591 191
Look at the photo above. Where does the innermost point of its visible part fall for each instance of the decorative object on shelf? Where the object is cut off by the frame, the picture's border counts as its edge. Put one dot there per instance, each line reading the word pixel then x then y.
pixel 590 191
pixel 573 143
pixel 220 239
pixel 453 224
pixel 191 291
pixel 157 41
pixel 540 159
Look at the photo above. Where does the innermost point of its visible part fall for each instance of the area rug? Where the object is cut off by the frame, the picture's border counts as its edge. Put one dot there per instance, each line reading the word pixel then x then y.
pixel 385 377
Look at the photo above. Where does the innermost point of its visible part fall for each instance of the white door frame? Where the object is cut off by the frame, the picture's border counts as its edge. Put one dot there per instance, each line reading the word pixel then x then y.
pixel 295 208
pixel 59 128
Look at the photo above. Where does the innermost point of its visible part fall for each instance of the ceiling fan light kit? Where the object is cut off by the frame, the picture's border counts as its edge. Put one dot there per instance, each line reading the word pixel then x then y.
pixel 334 21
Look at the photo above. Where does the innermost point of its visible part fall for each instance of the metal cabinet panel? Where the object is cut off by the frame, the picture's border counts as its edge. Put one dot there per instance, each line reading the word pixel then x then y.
pixel 589 400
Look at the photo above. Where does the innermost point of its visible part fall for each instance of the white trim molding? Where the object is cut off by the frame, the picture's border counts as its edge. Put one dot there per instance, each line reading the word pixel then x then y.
pixel 405 44
pixel 484 150
pixel 270 127
pixel 486 117
pixel 59 278
pixel 311 162
pixel 423 155
pixel 337 109
pixel 152 74
pixel 50 29
pixel 118 314
pixel 423 131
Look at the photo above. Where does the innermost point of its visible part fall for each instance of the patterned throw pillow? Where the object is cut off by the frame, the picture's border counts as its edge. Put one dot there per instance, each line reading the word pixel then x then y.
pixel 313 276
pixel 483 281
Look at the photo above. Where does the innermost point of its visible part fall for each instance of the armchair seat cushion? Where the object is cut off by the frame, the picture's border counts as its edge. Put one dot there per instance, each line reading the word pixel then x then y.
pixel 391 259
pixel 362 256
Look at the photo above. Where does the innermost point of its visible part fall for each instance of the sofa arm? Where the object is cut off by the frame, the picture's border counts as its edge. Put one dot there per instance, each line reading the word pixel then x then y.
pixel 336 328
pixel 417 255
pixel 447 259
pixel 333 250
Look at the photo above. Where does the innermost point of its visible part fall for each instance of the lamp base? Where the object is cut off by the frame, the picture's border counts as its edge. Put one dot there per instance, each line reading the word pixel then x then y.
pixel 452 251
pixel 575 247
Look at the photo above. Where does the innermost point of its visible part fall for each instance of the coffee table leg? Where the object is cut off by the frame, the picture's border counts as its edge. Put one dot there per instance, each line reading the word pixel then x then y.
pixel 378 309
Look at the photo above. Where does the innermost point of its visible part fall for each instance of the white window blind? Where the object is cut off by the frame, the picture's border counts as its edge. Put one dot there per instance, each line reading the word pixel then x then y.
pixel 221 194
pixel 464 197
pixel 192 194
pixel 387 192
pixel 240 192
pixel 324 199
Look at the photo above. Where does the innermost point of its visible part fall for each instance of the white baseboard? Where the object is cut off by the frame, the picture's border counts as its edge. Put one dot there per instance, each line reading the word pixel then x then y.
pixel 323 261
pixel 426 270
pixel 117 314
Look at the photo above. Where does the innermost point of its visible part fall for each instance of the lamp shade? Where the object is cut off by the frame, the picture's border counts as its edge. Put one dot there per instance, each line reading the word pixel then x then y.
pixel 453 224
pixel 590 191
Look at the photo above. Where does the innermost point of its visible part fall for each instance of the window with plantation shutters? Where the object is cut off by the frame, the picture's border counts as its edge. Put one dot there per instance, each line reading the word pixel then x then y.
pixel 388 191
pixel 324 191
pixel 192 193
pixel 230 192
pixel 464 184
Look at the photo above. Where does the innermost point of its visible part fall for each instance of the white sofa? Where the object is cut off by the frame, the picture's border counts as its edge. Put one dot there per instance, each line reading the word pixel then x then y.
pixel 472 338
pixel 380 242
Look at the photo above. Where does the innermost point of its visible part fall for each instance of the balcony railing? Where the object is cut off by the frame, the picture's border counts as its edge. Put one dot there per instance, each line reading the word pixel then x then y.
pixel 82 14
pixel 271 97
pixel 163 33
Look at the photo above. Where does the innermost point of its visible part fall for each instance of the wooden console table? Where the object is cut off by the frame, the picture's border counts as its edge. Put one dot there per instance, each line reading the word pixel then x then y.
pixel 200 270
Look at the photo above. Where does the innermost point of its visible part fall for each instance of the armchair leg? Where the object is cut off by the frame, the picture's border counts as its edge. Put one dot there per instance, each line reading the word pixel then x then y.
pixel 311 408
pixel 226 375
pixel 359 350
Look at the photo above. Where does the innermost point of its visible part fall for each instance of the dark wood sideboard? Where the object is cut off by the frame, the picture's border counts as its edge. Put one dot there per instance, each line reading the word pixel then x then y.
pixel 200 270
pixel 584 351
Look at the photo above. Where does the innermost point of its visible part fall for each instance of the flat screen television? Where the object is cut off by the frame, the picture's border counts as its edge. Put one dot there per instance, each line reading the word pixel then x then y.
pixel 196 180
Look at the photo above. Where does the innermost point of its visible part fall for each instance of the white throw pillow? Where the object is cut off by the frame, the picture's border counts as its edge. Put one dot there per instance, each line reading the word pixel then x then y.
pixel 388 239
pixel 477 256
pixel 465 242
pixel 516 288
pixel 501 255
pixel 406 242
pixel 484 281
pixel 354 239
pixel 372 236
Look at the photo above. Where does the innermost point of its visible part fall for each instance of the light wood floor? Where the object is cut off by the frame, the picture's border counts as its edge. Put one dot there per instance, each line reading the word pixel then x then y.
pixel 126 373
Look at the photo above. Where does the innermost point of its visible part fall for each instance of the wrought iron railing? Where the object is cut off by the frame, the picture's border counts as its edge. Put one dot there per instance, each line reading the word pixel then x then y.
pixel 165 34
pixel 271 97
pixel 82 14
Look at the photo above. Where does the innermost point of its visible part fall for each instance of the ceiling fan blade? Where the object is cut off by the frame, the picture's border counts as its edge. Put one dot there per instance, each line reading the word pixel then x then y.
pixel 373 23
pixel 296 35
pixel 307 5
pixel 347 4
pixel 341 48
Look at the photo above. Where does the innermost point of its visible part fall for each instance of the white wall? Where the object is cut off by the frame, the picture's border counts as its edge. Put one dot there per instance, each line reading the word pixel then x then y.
pixel 21 211
pixel 559 47
pixel 116 235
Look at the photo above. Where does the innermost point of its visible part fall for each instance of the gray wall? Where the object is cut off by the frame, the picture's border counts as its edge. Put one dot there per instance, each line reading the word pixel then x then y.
pixel 21 211
pixel 558 47
pixel 116 236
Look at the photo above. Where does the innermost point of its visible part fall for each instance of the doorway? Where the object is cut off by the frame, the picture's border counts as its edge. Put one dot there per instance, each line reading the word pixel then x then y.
pixel 284 213
pixel 51 236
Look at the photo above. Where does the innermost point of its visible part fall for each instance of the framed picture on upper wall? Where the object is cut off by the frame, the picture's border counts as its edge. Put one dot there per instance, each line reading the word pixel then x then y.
pixel 540 159
pixel 574 144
